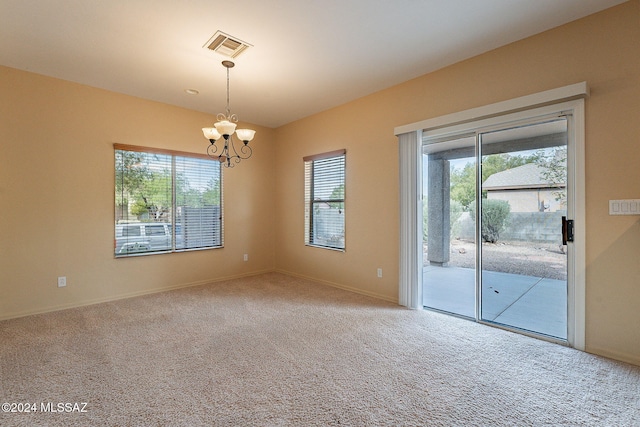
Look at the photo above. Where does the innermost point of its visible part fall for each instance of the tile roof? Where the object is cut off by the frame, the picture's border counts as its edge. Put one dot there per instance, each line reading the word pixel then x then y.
pixel 525 176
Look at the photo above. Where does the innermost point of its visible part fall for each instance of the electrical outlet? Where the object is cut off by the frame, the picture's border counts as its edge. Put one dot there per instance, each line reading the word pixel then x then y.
pixel 379 272
pixel 62 281
pixel 246 257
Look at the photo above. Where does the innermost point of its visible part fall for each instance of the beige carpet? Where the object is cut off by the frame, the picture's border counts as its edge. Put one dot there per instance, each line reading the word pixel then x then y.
pixel 273 350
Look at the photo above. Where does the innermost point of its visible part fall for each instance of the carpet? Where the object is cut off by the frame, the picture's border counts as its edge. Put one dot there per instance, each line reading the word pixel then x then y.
pixel 274 350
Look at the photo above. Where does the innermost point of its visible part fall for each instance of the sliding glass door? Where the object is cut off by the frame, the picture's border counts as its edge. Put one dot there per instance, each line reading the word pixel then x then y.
pixel 523 261
pixel 495 207
pixel 449 239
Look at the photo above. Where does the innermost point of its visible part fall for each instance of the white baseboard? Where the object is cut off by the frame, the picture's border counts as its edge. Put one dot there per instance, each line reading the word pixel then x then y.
pixel 338 285
pixel 127 295
pixel 632 359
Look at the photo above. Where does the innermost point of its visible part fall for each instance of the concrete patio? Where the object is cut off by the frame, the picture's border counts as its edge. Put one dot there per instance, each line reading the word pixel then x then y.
pixel 535 304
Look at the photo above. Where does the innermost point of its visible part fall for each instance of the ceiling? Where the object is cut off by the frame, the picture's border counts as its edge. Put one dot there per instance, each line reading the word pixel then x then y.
pixel 307 55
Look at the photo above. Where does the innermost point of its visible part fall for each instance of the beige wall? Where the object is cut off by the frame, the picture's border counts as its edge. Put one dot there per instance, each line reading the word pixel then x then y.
pixel 56 179
pixel 602 49
pixel 57 195
pixel 528 200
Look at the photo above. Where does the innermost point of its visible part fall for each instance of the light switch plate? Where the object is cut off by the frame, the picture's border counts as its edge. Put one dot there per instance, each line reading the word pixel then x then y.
pixel 624 207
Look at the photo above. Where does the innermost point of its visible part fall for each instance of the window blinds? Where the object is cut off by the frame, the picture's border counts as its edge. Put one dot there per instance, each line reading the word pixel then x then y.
pixel 325 200
pixel 166 201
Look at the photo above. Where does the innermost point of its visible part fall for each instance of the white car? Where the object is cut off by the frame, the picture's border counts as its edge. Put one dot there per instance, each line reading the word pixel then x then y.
pixel 142 237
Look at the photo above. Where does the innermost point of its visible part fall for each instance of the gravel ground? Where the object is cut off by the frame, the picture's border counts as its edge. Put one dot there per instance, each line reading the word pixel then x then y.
pixel 531 259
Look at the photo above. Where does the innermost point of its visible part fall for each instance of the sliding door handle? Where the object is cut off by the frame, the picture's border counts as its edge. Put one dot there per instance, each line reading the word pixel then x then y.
pixel 567 230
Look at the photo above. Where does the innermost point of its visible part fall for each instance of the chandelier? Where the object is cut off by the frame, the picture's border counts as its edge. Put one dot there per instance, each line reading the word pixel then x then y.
pixel 224 129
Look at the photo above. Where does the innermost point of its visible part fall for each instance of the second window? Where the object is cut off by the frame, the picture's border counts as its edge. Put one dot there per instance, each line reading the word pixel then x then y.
pixel 325 200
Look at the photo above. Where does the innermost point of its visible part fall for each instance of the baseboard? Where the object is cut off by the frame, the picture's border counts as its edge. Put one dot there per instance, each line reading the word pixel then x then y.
pixel 632 359
pixel 338 285
pixel 129 295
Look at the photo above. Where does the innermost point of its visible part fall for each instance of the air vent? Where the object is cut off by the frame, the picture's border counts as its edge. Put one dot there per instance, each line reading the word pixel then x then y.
pixel 226 45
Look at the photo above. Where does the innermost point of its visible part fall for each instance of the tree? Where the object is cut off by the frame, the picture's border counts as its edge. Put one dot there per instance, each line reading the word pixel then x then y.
pixel 554 171
pixel 495 163
pixel 337 194
pixel 211 195
pixel 155 195
pixel 131 173
pixel 463 185
pixel 146 189
pixel 463 181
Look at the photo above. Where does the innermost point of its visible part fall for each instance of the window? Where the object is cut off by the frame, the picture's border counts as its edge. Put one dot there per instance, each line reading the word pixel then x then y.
pixel 324 193
pixel 166 201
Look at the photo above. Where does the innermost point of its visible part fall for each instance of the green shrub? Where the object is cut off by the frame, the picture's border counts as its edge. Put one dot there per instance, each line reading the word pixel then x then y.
pixel 455 212
pixel 495 214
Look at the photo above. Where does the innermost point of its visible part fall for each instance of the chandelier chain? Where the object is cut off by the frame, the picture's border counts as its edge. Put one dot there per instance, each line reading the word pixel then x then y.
pixel 228 107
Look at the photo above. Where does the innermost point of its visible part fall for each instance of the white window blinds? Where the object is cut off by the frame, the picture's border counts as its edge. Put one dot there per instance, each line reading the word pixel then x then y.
pixel 325 200
pixel 166 201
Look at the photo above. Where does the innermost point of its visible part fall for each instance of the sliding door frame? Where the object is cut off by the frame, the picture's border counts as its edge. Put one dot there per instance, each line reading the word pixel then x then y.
pixel 569 101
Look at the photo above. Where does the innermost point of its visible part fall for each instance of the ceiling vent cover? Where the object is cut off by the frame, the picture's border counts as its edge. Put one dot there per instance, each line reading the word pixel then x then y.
pixel 226 45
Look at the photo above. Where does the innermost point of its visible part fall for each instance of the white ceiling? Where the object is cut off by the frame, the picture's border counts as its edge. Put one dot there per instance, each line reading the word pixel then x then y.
pixel 307 55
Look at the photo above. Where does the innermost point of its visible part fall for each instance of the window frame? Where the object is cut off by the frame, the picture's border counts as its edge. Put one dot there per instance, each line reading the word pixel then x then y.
pixel 173 225
pixel 310 201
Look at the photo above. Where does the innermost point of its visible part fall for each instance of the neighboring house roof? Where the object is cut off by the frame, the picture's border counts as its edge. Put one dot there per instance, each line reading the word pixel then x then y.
pixel 521 177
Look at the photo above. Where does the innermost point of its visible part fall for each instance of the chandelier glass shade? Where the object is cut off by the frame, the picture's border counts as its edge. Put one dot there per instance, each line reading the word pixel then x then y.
pixel 225 129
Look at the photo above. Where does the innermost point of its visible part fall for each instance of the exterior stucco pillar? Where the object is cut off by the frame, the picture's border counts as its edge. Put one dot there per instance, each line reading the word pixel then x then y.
pixel 439 224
